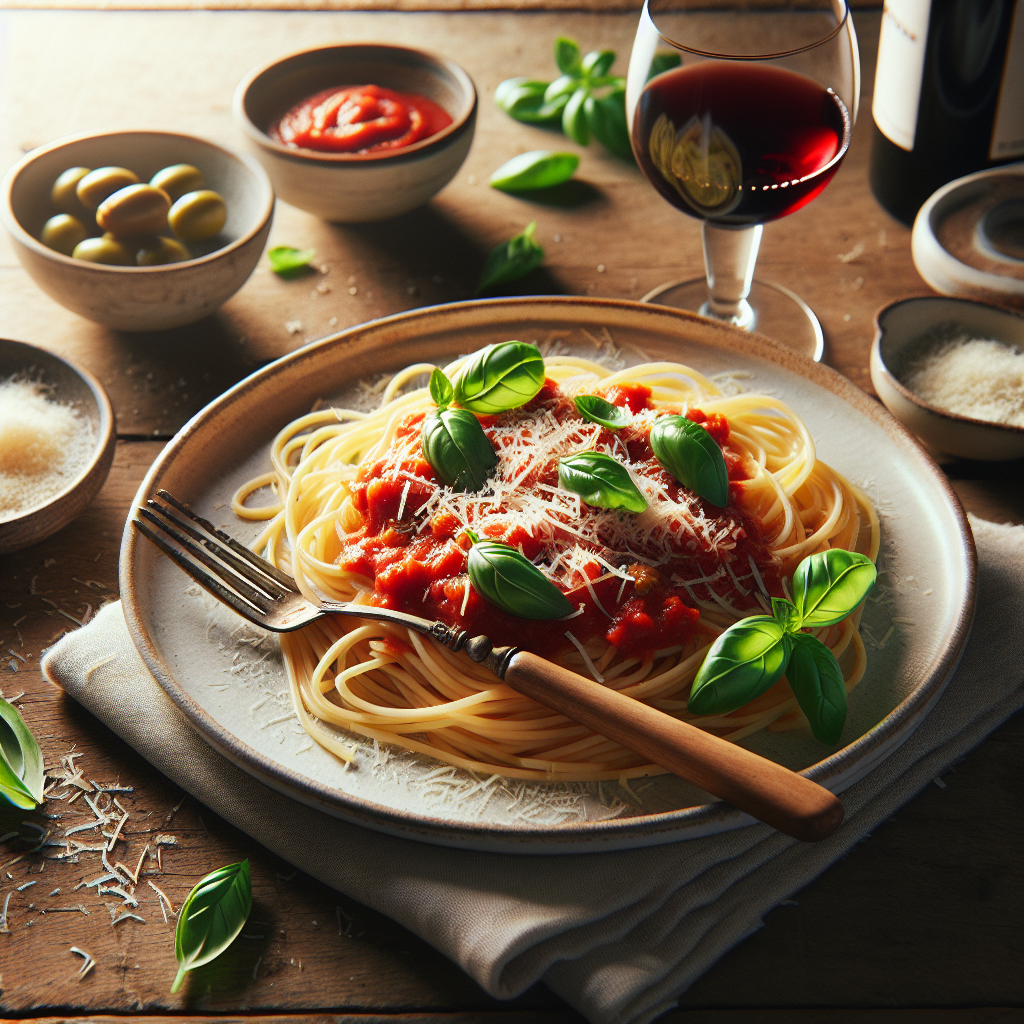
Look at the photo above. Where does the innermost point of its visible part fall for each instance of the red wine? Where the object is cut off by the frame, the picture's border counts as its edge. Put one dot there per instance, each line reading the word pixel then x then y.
pixel 739 143
pixel 949 89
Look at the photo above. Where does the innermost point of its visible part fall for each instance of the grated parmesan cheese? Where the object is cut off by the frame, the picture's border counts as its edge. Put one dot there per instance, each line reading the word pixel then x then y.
pixel 43 445
pixel 975 377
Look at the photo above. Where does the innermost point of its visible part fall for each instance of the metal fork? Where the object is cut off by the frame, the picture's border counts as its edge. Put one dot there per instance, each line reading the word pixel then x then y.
pixel 268 597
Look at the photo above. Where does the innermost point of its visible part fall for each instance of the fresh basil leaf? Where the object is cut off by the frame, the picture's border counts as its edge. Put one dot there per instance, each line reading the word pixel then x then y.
pixel 829 585
pixel 457 449
pixel 817 682
pixel 511 260
pixel 211 917
pixel 441 390
pixel 21 763
pixel 288 262
pixel 600 481
pixel 508 579
pixel 597 410
pixel 500 377
pixel 607 120
pixel 561 88
pixel 541 168
pixel 692 456
pixel 574 118
pixel 523 100
pixel 567 56
pixel 745 660
pixel 784 612
pixel 597 63
pixel 663 60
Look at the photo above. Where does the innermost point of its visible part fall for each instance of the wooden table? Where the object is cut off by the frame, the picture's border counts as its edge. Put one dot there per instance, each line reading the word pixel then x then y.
pixel 920 923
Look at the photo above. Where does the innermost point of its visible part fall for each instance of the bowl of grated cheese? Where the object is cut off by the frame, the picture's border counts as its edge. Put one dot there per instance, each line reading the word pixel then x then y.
pixel 56 442
pixel 952 371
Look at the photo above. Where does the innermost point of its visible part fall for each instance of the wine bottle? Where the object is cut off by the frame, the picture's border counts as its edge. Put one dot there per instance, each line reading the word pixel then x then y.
pixel 949 96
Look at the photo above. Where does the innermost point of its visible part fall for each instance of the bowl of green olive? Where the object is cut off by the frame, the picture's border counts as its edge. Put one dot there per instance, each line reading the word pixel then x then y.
pixel 138 230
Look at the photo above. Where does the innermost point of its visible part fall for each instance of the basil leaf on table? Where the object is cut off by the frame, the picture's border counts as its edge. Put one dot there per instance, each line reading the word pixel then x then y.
pixel 457 449
pixel 600 481
pixel 597 63
pixel 21 763
pixel 211 917
pixel 606 118
pixel 829 585
pixel 441 390
pixel 597 410
pixel 567 56
pixel 508 579
pixel 524 100
pixel 692 456
pixel 745 660
pixel 540 168
pixel 511 260
pixel 561 89
pixel 574 117
pixel 817 682
pixel 500 377
pixel 288 262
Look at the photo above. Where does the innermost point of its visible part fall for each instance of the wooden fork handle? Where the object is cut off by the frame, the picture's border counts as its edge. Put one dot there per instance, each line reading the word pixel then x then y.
pixel 772 794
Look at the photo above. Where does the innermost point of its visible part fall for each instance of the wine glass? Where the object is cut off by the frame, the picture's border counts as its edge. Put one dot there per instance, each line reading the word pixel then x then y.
pixel 739 116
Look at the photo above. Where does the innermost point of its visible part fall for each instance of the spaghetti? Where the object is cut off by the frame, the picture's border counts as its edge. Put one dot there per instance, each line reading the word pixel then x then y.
pixel 361 517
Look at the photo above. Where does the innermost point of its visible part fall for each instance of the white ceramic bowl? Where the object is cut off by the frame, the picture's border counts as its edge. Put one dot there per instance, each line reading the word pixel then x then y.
pixel 71 385
pixel 351 187
pixel 899 330
pixel 140 298
pixel 952 241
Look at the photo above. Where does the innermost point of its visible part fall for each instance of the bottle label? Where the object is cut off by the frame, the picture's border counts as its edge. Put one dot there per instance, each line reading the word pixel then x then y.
pixel 901 50
pixel 1008 127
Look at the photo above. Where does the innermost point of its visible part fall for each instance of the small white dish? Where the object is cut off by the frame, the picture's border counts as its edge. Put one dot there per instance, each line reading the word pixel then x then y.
pixel 140 298
pixel 968 238
pixel 900 330
pixel 352 187
pixel 71 385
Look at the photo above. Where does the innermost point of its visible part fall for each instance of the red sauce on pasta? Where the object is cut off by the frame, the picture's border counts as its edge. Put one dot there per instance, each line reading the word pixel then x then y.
pixel 360 119
pixel 421 568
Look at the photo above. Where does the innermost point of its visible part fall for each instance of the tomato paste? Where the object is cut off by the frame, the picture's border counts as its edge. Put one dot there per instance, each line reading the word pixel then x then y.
pixel 360 119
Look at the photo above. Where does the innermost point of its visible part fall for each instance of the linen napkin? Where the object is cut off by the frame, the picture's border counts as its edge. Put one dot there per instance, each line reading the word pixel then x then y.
pixel 618 935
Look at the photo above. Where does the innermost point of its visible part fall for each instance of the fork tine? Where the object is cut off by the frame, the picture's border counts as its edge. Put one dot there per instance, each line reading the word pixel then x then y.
pixel 255 597
pixel 242 566
pixel 251 557
pixel 203 578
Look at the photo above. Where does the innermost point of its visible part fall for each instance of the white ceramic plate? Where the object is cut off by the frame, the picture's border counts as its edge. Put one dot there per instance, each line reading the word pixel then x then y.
pixel 227 678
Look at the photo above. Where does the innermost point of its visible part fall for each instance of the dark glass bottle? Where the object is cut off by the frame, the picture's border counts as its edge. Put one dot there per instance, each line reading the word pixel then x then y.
pixel 968 62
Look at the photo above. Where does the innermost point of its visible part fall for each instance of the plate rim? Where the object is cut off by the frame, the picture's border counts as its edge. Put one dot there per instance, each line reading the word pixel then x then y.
pixel 833 772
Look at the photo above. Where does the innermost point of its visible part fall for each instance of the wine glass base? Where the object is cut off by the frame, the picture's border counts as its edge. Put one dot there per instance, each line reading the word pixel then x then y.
pixel 778 313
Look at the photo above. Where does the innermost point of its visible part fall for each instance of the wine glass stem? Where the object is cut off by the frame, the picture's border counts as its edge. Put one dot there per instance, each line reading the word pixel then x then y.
pixel 729 258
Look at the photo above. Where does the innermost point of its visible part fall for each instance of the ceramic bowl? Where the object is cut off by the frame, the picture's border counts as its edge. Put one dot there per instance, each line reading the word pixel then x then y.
pixel 966 240
pixel 900 329
pixel 351 187
pixel 71 385
pixel 140 298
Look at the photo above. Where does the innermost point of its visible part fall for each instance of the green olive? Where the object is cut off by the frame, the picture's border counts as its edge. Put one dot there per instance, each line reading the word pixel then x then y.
pixel 135 210
pixel 154 252
pixel 63 232
pixel 198 215
pixel 63 194
pixel 104 250
pixel 103 182
pixel 178 179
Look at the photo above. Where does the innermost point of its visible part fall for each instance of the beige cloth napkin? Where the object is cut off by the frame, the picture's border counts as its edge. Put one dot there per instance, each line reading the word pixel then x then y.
pixel 618 935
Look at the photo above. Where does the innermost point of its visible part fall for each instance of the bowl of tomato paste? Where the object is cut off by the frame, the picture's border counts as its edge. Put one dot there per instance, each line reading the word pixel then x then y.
pixel 358 132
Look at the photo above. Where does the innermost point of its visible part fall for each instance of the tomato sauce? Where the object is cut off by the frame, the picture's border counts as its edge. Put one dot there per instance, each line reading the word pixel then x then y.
pixel 360 119
pixel 421 567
